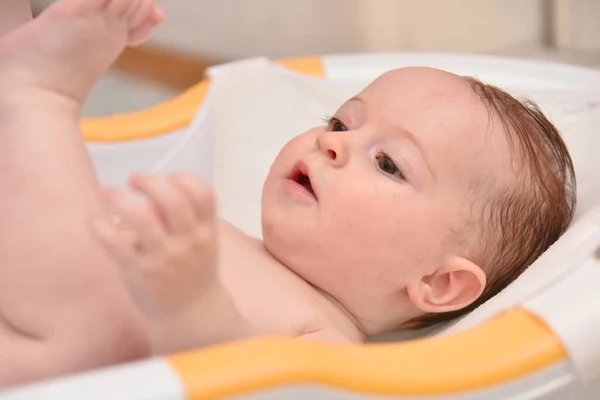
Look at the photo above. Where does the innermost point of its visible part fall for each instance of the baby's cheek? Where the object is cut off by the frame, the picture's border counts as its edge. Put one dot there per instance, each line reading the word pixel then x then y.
pixel 363 225
pixel 387 230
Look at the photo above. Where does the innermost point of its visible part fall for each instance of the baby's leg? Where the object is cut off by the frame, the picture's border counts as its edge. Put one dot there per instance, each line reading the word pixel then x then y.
pixel 63 306
pixel 13 13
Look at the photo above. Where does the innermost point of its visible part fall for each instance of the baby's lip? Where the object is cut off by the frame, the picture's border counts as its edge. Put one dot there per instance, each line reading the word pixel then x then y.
pixel 301 174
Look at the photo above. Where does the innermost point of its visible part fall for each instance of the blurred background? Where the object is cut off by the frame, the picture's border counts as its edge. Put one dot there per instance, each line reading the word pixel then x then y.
pixel 200 33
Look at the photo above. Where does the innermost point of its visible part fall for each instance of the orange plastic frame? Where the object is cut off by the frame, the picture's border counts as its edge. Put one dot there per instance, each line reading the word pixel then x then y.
pixel 173 114
pixel 508 347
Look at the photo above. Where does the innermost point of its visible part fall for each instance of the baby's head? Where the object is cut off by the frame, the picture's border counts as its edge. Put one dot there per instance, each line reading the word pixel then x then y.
pixel 421 198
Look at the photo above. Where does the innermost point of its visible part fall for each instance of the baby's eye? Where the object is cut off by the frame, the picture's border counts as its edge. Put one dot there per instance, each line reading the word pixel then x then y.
pixel 387 165
pixel 336 125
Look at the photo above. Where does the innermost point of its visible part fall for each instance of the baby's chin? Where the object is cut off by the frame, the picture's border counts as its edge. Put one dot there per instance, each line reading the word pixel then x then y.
pixel 274 241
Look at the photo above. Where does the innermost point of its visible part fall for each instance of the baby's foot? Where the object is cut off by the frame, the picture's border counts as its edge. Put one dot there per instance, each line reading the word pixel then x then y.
pixel 67 48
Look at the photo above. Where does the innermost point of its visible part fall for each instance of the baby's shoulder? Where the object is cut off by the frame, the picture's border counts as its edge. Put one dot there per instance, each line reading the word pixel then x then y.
pixel 228 232
pixel 269 294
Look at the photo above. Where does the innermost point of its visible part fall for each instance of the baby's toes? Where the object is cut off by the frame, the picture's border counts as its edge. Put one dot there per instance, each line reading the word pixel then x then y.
pixel 119 8
pixel 140 12
pixel 139 16
pixel 140 33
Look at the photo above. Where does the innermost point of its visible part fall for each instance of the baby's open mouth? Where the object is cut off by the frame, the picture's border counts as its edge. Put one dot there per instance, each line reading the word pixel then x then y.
pixel 305 181
pixel 301 176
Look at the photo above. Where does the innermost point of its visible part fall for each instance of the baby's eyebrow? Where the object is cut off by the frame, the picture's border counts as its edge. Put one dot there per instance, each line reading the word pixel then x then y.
pixel 406 134
pixel 418 144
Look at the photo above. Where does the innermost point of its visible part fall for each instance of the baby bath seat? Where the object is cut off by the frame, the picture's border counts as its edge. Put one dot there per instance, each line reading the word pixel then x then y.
pixel 538 339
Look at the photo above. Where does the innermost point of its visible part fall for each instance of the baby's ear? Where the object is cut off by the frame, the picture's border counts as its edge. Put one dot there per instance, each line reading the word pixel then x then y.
pixel 454 285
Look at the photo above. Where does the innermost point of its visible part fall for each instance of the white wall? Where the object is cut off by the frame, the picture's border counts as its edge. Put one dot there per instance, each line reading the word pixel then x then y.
pixel 457 25
pixel 277 28
pixel 232 29
pixel 577 24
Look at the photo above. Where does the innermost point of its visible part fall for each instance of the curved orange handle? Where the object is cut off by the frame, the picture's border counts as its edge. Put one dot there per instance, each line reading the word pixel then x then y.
pixel 173 114
pixel 505 348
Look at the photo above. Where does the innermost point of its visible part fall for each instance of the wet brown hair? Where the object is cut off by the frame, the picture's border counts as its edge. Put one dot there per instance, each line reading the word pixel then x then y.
pixel 519 223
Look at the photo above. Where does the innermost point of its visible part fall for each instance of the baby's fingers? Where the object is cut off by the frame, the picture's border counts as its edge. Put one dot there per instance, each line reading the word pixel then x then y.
pixel 139 218
pixel 199 194
pixel 120 247
pixel 174 207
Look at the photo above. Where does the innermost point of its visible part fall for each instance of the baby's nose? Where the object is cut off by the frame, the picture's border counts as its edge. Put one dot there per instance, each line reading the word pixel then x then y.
pixel 333 146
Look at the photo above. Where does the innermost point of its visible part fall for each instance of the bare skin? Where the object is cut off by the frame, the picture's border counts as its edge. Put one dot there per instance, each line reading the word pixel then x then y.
pixel 14 14
pixel 361 251
pixel 176 257
pixel 362 254
pixel 76 314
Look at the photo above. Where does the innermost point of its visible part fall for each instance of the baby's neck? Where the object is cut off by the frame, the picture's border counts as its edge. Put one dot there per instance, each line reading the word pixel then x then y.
pixel 363 320
pixel 275 299
pixel 333 313
pixel 338 316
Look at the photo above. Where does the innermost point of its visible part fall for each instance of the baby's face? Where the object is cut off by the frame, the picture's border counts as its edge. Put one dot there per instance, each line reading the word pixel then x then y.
pixel 366 204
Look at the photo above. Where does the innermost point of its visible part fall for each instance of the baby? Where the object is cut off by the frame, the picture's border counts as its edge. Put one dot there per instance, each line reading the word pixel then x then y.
pixel 421 198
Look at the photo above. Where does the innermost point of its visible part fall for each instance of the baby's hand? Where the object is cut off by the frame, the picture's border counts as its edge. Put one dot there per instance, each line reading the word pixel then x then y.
pixel 167 246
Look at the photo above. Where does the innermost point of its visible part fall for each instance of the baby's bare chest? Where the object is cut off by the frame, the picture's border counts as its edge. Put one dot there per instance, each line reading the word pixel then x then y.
pixel 268 295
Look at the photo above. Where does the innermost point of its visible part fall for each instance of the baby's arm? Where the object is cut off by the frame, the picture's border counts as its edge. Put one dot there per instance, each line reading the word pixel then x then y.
pixel 166 246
